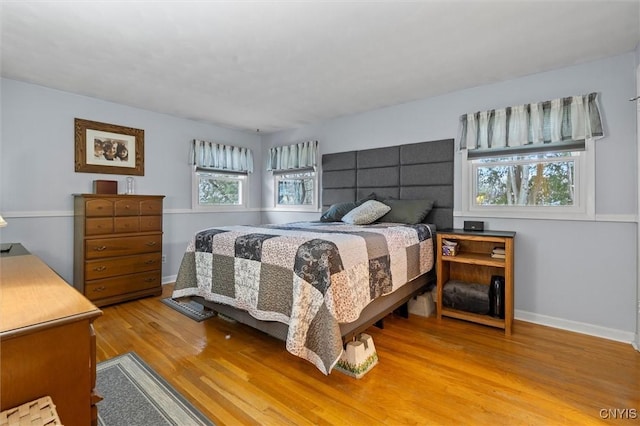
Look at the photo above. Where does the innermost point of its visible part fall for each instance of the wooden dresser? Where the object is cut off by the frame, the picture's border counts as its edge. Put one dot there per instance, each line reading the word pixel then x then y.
pixel 117 246
pixel 47 340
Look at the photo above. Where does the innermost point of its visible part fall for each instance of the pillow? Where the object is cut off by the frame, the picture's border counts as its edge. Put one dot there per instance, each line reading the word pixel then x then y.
pixel 366 213
pixel 407 211
pixel 338 210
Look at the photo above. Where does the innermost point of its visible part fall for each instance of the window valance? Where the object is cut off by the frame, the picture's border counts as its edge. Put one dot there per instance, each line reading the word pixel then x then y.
pixel 543 125
pixel 293 157
pixel 214 156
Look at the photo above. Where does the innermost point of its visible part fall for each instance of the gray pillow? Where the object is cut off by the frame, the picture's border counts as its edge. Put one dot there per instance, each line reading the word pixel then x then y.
pixel 338 210
pixel 407 211
pixel 367 213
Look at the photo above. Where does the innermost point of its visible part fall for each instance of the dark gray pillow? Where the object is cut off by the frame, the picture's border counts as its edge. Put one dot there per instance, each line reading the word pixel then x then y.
pixel 407 211
pixel 336 212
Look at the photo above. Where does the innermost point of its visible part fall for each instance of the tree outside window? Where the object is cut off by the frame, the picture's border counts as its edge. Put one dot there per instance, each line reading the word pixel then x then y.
pixel 546 179
pixel 224 190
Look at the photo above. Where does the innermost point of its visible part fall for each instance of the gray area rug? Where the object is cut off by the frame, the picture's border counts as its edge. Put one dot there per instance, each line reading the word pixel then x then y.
pixel 192 309
pixel 135 395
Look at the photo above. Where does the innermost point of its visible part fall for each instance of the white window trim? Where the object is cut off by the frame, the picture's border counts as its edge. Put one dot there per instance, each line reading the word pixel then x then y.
pixel 313 207
pixel 219 208
pixel 584 210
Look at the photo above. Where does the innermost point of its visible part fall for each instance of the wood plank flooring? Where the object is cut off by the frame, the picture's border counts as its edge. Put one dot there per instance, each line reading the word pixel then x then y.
pixel 430 373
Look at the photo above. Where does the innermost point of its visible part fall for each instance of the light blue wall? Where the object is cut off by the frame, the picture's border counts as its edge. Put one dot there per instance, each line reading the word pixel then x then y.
pixel 37 175
pixel 577 275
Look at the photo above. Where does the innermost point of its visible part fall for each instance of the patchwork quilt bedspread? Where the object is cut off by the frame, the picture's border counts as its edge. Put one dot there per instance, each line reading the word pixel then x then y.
pixel 309 275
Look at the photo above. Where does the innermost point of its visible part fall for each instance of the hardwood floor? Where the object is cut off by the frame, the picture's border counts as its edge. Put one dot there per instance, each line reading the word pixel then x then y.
pixel 430 372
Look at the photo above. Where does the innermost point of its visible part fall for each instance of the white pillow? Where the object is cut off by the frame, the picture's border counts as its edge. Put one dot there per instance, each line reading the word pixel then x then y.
pixel 366 213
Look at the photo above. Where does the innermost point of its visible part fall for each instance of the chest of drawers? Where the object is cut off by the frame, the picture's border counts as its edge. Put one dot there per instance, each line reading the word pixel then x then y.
pixel 117 246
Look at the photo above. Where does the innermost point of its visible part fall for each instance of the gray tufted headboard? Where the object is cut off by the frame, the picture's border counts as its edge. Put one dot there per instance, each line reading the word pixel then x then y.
pixel 412 171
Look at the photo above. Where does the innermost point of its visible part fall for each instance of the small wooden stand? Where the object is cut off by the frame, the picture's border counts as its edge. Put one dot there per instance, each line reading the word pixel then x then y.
pixel 473 263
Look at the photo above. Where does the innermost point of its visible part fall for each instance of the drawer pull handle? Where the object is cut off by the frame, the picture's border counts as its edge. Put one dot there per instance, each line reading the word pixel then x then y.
pixel 151 243
pixel 101 248
pixel 100 268
pixel 150 280
pixel 99 289
pixel 150 262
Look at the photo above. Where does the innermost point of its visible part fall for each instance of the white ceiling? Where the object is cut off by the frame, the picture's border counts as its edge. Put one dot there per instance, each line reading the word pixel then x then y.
pixel 272 65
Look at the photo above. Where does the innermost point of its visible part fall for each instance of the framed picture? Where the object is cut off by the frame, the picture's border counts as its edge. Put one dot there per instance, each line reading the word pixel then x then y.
pixel 108 148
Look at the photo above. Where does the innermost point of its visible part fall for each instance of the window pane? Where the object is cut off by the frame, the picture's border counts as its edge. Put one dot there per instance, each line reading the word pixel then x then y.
pixel 535 180
pixel 295 190
pixel 219 190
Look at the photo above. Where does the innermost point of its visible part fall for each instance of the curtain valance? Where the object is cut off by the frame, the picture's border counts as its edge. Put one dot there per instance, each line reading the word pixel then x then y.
pixel 293 157
pixel 214 156
pixel 557 121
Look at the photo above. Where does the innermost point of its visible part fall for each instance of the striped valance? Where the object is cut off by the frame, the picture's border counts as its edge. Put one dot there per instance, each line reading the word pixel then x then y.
pixel 293 157
pixel 214 156
pixel 557 121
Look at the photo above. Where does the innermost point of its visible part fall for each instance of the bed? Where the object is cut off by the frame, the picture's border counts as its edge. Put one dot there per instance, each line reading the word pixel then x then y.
pixel 318 284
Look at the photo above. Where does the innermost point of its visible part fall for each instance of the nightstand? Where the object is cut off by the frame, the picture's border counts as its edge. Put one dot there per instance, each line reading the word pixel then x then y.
pixel 474 263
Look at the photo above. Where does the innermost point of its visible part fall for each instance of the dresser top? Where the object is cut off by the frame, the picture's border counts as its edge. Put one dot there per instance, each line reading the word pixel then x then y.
pixel 32 296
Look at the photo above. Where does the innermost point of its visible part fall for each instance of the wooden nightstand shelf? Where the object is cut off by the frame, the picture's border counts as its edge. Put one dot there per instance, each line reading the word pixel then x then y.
pixel 473 264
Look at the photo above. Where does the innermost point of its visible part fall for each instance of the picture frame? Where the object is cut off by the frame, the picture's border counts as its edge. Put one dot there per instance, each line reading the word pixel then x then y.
pixel 108 148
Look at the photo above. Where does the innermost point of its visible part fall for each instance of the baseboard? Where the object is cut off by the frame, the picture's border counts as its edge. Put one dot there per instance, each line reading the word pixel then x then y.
pixel 169 279
pixel 575 326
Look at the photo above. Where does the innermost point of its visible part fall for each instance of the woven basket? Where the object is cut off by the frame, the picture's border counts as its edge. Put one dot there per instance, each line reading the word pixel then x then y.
pixel 40 412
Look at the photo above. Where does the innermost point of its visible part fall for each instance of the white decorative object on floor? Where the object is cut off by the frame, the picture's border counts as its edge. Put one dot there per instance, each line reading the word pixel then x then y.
pixel 422 305
pixel 359 357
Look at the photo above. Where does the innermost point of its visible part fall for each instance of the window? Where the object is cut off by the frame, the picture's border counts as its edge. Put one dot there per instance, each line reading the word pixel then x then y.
pixel 219 191
pixel 548 184
pixel 296 190
pixel 295 183
pixel 220 174
pixel 531 161
pixel 531 180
